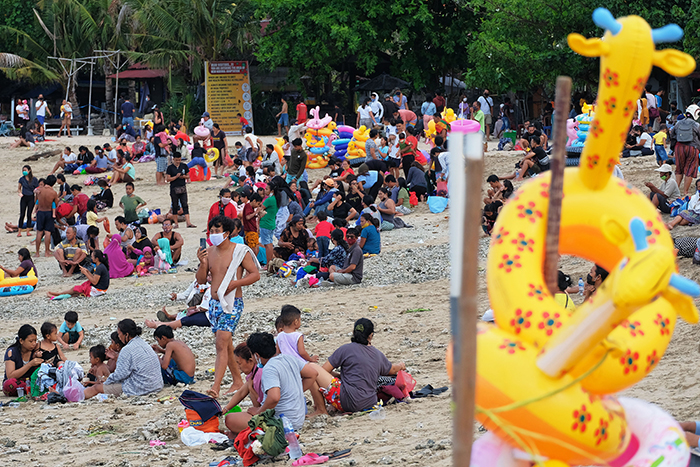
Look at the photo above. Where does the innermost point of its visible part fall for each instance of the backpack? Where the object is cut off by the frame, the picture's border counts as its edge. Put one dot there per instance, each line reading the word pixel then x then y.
pixel 684 131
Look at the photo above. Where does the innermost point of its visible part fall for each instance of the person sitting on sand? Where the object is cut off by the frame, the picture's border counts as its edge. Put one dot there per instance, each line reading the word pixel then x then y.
pixel 667 193
pixel 594 279
pixel 99 371
pixel 97 282
pixel 355 388
pixel 71 253
pixel 535 161
pixel 175 239
pixel 499 190
pixel 246 362
pixel 141 242
pixel 71 333
pixel 25 265
pixel 118 265
pixel 113 350
pixel 197 297
pixel 48 351
pixel 283 383
pixel 177 363
pixel 562 297
pixel 137 371
pixel 20 361
pixel 690 215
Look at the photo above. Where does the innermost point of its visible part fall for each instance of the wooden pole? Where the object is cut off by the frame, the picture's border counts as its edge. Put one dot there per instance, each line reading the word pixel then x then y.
pixel 464 330
pixel 557 162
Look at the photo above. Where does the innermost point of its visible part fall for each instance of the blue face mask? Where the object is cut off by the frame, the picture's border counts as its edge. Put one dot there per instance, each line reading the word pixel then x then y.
pixel 260 365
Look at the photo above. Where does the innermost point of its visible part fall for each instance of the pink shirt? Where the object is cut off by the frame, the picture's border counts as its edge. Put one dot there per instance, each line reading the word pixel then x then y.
pixel 407 115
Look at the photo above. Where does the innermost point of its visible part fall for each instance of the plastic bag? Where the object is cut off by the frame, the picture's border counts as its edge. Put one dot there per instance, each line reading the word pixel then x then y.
pixel 192 437
pixel 437 204
pixel 74 391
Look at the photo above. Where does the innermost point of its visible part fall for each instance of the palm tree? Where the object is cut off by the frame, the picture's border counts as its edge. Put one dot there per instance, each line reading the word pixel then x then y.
pixel 185 34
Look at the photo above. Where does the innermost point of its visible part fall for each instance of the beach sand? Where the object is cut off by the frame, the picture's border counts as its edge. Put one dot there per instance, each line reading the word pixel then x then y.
pixel 412 272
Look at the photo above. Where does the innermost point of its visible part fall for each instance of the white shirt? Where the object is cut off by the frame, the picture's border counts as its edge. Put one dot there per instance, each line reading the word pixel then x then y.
pixel 41 108
pixel 486 104
pixel 648 140
pixel 112 155
pixel 364 111
pixel 670 188
pixel 377 110
pixel 69 158
pixel 651 101
pixel 694 203
pixel 250 141
pixel 209 124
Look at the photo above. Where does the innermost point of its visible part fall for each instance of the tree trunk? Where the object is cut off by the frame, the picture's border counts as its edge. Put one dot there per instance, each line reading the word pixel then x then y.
pixel 684 93
pixel 73 96
pixel 109 94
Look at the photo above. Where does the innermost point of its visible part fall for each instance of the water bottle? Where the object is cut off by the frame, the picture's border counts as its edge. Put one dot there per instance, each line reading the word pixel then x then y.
pixel 580 286
pixel 291 437
pixel 14 405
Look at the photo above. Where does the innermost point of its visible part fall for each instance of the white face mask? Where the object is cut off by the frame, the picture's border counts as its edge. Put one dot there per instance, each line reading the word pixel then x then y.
pixel 225 201
pixel 217 238
pixel 464 100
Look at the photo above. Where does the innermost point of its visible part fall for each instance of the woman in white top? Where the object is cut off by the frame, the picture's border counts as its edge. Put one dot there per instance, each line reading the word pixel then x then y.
pixel 691 215
pixel 364 115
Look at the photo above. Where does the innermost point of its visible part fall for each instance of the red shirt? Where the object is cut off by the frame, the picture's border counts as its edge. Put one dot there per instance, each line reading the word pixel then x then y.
pixel 412 141
pixel 439 102
pixel 243 121
pixel 301 113
pixel 215 210
pixel 323 229
pixel 81 201
pixel 63 210
pixel 249 225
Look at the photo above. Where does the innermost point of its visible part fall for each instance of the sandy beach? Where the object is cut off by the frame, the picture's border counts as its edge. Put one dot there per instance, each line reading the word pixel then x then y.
pixel 412 272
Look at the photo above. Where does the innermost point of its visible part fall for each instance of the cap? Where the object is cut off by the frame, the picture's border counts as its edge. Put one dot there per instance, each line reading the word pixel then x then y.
pixel 205 114
pixel 296 218
pixel 386 96
pixel 665 169
pixel 330 182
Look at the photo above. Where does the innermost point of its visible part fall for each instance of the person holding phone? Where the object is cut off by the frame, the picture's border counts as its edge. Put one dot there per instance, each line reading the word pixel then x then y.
pixel 97 281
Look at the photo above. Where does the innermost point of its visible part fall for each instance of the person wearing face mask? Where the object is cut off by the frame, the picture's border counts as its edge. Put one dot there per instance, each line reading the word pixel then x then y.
pixel 667 192
pixel 25 189
pixel 594 279
pixel 223 207
pixel 377 108
pixel 232 266
pixel 690 215
pixel 486 104
pixel 465 110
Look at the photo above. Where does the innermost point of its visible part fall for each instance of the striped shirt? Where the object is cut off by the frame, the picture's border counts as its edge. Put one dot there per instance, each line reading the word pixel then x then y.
pixel 138 369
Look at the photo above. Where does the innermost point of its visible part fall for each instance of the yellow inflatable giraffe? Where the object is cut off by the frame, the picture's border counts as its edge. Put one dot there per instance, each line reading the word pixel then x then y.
pixel 545 375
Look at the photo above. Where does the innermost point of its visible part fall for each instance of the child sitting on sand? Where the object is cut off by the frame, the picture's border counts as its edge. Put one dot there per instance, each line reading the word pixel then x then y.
pixel 48 350
pixel 312 248
pixel 113 351
pixel 177 363
pixel 99 371
pixel 289 340
pixel 71 332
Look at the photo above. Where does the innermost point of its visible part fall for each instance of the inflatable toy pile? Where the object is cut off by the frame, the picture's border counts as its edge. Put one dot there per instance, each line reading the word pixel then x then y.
pixel 319 135
pixel 546 377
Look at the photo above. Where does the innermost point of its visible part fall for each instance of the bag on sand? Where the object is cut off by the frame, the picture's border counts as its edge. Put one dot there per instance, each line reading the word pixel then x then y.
pixel 201 410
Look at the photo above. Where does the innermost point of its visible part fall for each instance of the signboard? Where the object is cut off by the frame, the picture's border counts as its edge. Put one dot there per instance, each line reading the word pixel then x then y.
pixel 228 94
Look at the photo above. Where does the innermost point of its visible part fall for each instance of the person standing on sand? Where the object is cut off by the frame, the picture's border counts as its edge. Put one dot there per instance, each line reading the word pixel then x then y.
pixel 227 262
pixel 47 200
pixel 283 116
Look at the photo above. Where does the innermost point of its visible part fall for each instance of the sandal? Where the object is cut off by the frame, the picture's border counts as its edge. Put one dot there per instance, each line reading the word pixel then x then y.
pixel 338 454
pixel 310 459
pixel 162 317
pixel 222 446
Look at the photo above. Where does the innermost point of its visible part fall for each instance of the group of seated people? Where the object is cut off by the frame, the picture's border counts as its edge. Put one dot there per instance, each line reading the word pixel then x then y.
pixel 277 366
pixel 497 194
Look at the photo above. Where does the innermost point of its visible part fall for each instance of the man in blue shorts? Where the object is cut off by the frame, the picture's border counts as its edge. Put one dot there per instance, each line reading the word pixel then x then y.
pixel 47 201
pixel 283 121
pixel 232 267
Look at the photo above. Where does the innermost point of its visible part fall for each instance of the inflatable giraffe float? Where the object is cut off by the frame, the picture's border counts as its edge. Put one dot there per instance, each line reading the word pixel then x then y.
pixel 546 375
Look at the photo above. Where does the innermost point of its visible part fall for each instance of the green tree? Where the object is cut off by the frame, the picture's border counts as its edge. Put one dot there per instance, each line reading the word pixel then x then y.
pixel 521 44
pixel 421 39
pixel 182 34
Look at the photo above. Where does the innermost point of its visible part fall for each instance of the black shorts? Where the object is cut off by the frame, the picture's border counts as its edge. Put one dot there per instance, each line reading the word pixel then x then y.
pixel 391 162
pixel 251 154
pixel 44 221
pixel 73 337
pixel 179 200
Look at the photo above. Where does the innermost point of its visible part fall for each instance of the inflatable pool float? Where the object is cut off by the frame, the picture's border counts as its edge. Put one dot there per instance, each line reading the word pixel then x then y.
pixel 316 123
pixel 211 155
pixel 29 279
pixel 201 130
pixel 345 129
pixel 16 290
pixel 546 377
pixel 470 126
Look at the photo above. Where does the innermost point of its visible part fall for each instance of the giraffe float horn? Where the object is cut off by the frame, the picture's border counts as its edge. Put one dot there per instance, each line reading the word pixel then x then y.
pixel 668 33
pixel 604 19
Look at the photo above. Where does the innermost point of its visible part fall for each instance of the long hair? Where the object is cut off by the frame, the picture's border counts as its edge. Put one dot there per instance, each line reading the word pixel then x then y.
pixel 102 258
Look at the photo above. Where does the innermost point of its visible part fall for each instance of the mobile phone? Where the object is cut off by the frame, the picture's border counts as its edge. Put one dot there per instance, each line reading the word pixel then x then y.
pixel 203 243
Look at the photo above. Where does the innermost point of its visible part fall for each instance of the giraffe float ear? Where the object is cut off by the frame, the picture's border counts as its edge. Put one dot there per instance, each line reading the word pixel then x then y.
pixel 594 47
pixel 675 62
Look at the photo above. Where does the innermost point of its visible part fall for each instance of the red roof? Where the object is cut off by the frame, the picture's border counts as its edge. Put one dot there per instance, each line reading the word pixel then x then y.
pixel 140 71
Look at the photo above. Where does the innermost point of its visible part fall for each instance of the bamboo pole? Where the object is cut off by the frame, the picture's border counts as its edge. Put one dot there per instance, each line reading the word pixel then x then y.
pixel 557 162
pixel 465 198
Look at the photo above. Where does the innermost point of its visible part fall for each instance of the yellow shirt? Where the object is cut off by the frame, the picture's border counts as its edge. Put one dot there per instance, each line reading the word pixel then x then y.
pixel 564 300
pixel 91 218
pixel 660 138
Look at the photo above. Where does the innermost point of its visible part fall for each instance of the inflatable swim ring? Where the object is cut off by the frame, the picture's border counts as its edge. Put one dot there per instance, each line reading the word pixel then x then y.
pixel 16 290
pixel 545 375
pixel 211 155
